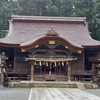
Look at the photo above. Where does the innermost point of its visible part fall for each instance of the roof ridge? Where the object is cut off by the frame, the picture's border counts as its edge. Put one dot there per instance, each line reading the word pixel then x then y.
pixel 48 17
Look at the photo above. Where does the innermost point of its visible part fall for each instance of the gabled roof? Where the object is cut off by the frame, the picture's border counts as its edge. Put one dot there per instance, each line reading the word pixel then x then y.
pixel 24 30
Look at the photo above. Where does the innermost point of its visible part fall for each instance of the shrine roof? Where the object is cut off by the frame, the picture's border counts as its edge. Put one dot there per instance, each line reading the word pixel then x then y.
pixel 24 30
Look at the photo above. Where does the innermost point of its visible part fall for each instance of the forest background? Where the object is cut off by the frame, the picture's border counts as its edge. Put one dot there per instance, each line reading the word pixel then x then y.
pixel 62 8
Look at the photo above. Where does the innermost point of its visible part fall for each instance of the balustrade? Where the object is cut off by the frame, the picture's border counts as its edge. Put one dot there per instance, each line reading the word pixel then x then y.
pixel 77 71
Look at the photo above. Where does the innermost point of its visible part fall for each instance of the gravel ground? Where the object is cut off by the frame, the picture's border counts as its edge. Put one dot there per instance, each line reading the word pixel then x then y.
pixel 14 93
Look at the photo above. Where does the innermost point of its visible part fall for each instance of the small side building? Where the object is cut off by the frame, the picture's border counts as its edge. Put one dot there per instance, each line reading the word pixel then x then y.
pixel 50 48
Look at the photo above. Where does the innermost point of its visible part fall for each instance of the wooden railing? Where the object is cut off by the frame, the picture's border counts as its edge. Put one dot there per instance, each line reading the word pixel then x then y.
pixel 43 77
pixel 18 71
pixel 9 70
pixel 52 77
pixel 81 72
pixel 62 78
pixel 39 78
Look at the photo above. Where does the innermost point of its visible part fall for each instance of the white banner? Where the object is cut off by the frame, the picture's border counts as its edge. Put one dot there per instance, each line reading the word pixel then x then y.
pixel 0 60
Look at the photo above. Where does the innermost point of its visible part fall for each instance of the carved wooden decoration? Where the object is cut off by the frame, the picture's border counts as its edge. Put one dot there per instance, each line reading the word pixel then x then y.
pixel 52 32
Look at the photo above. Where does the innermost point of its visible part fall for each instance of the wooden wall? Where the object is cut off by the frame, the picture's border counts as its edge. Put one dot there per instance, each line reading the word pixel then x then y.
pixel 20 65
pixel 77 66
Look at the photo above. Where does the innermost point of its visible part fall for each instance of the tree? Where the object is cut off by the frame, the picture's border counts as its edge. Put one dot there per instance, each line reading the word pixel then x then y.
pixel 53 11
pixel 96 20
pixel 35 7
pixel 68 8
pixel 84 8
pixel 8 8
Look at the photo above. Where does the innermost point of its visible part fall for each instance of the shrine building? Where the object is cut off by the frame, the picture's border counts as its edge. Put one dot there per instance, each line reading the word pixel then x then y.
pixel 50 48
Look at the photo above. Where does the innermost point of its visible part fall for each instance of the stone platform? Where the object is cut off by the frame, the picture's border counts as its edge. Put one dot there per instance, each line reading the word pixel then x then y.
pixel 51 84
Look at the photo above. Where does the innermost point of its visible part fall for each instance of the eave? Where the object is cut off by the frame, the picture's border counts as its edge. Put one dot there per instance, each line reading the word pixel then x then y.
pixel 9 45
pixel 33 43
pixel 91 46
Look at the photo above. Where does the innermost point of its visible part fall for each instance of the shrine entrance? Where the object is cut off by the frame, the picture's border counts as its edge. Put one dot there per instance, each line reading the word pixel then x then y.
pixel 51 62
pixel 50 70
pixel 50 57
pixel 59 68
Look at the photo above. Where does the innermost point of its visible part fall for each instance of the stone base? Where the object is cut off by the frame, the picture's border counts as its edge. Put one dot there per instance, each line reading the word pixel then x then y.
pixel 48 84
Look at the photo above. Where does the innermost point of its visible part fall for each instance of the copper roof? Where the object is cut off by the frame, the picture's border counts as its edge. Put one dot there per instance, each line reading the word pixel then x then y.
pixel 26 29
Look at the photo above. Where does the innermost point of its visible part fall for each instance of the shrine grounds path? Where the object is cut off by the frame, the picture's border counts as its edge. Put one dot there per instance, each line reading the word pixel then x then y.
pixel 48 94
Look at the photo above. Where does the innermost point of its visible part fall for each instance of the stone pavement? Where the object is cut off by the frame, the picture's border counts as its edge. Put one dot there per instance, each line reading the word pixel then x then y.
pixel 60 94
pixel 14 93
pixel 49 94
pixel 93 91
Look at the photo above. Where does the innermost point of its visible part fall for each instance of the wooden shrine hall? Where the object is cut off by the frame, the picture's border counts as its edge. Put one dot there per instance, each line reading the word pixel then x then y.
pixel 50 48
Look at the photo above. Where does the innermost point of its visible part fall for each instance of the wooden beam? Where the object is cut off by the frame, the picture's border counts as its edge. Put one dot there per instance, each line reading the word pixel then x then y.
pixel 51 59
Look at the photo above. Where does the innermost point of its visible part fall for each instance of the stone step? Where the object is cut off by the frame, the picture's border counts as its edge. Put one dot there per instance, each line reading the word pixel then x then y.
pixel 80 86
pixel 50 85
pixel 43 85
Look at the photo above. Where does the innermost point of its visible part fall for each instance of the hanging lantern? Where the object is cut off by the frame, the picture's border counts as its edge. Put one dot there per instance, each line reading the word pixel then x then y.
pixel 62 63
pixel 46 63
pixel 40 63
pixel 55 64
pixel 35 63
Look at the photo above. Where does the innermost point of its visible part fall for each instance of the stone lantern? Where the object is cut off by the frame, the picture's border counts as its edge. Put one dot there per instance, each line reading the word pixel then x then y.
pixel 2 67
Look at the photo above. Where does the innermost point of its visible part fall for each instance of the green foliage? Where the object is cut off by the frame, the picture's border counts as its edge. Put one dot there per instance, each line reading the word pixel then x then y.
pixel 53 11
pixel 4 33
pixel 68 8
pixel 90 10
pixel 7 9
pixel 96 20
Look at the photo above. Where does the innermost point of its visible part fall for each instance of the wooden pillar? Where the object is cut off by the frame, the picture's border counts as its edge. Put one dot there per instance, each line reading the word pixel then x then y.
pixel 69 71
pixel 40 70
pixel 59 68
pixel 83 61
pixel 32 70
pixel 55 69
